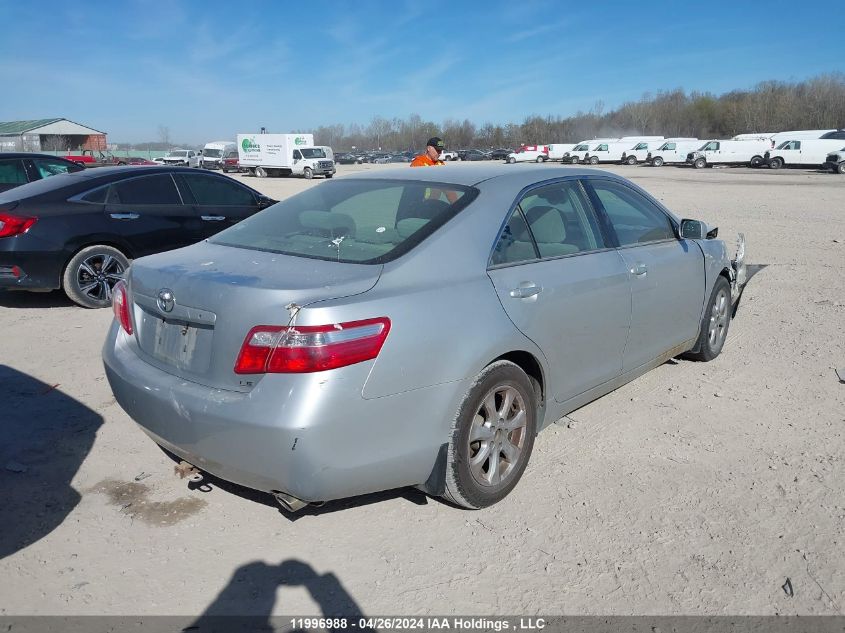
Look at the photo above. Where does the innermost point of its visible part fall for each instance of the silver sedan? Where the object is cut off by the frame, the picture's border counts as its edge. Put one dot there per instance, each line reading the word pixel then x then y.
pixel 414 327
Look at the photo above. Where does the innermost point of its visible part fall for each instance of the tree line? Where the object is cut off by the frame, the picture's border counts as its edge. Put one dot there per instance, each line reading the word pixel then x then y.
pixel 771 106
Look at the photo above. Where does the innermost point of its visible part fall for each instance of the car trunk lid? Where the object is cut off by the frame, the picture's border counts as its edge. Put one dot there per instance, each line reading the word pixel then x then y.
pixel 193 307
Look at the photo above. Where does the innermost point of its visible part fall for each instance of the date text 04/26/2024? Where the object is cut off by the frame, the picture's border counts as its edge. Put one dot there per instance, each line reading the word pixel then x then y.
pixel 420 623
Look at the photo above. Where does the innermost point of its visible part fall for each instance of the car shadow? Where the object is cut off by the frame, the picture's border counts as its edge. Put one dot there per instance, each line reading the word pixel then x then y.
pixel 750 271
pixel 247 601
pixel 46 437
pixel 25 299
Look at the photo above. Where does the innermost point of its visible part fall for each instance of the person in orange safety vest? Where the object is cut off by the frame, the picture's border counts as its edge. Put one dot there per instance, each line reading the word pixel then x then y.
pixel 431 156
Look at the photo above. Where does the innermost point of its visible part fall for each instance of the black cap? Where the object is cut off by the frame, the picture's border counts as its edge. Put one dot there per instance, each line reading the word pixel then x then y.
pixel 437 143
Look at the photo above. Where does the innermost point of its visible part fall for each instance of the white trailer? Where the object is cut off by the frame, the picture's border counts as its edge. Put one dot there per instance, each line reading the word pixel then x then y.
pixel 801 152
pixel 559 151
pixel 718 152
pixel 673 151
pixel 283 155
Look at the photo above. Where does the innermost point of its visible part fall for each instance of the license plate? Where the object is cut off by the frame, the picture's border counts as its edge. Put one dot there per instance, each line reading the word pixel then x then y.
pixel 174 343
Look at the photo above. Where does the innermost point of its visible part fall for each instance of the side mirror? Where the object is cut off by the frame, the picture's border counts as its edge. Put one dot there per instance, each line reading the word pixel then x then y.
pixel 692 230
pixel 264 202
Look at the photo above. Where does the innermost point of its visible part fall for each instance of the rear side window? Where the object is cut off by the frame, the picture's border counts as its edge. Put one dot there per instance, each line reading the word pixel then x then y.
pixel 158 189
pixel 47 167
pixel 12 172
pixel 549 222
pixel 209 190
pixel 634 218
pixel 354 221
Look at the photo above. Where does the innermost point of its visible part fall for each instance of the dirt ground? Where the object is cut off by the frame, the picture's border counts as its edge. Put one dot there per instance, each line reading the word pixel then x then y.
pixel 699 488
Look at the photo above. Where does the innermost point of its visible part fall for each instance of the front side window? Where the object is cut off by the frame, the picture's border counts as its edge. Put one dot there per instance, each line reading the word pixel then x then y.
pixel 634 218
pixel 642 146
pixel 710 146
pixel 601 148
pixel 354 221
pixel 158 189
pixel 296 154
pixel 209 190
pixel 12 172
pixel 552 221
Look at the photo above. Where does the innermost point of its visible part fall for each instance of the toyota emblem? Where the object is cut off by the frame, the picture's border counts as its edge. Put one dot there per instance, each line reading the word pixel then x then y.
pixel 166 300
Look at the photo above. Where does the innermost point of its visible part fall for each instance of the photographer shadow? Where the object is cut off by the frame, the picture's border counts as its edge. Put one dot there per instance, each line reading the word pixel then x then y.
pixel 46 437
pixel 246 603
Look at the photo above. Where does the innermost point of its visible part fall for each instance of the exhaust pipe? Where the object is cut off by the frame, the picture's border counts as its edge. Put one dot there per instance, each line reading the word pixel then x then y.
pixel 288 502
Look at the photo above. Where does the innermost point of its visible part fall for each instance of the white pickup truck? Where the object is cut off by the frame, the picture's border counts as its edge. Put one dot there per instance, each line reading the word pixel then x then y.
pixel 183 157
pixel 529 154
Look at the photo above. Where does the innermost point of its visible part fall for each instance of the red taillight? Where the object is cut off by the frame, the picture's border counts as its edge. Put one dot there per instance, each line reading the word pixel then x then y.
pixel 120 306
pixel 277 349
pixel 15 224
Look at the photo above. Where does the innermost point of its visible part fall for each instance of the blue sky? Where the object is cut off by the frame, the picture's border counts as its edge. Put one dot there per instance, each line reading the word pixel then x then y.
pixel 209 70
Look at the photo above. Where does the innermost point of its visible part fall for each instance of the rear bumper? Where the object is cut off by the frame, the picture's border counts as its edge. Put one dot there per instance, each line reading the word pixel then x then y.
pixel 310 437
pixel 38 270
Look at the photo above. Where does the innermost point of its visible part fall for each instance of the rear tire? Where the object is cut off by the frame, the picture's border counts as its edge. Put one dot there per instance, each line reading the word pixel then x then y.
pixel 715 323
pixel 756 161
pixel 260 172
pixel 657 161
pixel 511 160
pixel 91 274
pixel 492 437
pixel 539 159
pixel 841 168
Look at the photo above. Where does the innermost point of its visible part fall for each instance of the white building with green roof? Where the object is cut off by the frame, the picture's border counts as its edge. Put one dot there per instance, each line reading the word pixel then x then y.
pixel 49 135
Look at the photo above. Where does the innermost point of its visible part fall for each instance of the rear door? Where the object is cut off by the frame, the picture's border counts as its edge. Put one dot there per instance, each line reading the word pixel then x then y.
pixel 150 214
pixel 218 202
pixel 564 286
pixel 666 273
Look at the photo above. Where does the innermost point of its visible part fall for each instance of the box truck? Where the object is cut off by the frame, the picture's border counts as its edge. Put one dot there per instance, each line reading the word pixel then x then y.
pixel 283 155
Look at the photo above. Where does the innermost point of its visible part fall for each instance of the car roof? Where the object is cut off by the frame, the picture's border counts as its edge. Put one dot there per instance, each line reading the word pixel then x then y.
pixel 471 175
pixel 104 174
pixel 31 155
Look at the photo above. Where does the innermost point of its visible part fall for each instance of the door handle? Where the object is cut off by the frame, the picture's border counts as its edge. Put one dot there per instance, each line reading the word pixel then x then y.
pixel 525 290
pixel 213 218
pixel 125 216
pixel 639 270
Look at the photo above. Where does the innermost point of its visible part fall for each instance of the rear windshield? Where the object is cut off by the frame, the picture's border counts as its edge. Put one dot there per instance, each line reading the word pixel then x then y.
pixel 353 221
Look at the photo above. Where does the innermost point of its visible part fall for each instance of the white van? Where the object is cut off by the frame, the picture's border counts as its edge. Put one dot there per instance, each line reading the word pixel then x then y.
pixel 213 153
pixel 801 152
pixel 612 152
pixel 673 151
pixel 578 154
pixel 639 152
pixel 717 152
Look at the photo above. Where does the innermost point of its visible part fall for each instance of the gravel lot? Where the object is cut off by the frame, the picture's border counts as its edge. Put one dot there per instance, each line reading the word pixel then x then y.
pixel 696 489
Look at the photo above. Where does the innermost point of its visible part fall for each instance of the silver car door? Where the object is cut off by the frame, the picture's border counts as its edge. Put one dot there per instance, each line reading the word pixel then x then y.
pixel 667 273
pixel 563 287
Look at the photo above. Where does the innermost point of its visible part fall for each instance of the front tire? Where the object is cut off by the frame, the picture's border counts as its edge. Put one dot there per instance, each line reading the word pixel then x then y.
pixel 699 163
pixel 91 274
pixel 775 163
pixel 841 168
pixel 492 437
pixel 511 160
pixel 657 161
pixel 308 173
pixel 715 323
pixel 594 160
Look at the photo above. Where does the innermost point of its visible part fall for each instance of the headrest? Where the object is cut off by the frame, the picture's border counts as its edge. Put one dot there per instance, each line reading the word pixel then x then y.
pixel 336 224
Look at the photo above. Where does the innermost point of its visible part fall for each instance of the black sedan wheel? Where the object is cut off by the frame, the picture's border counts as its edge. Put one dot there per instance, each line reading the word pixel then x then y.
pixel 492 437
pixel 91 275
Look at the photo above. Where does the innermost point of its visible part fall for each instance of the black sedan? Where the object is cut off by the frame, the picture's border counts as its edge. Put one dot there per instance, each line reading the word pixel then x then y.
pixel 17 169
pixel 78 231
pixel 473 154
pixel 500 153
